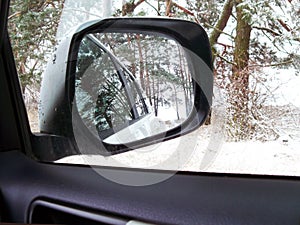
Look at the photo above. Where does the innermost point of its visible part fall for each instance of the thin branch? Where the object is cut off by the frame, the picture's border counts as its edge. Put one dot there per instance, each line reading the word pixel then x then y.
pixel 285 26
pixel 268 30
pixel 186 11
pixel 226 60
pixel 272 65
pixel 138 3
pixel 109 43
pixel 14 15
pixel 275 33
pixel 224 45
pixel 222 32
pixel 233 16
pixel 152 6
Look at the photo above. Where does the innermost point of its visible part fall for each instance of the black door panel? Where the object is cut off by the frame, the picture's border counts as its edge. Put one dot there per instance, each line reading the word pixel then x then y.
pixel 186 198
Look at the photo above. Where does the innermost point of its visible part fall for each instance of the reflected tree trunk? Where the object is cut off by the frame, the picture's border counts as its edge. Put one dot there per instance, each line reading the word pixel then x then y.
pixel 132 51
pixel 184 80
pixel 141 62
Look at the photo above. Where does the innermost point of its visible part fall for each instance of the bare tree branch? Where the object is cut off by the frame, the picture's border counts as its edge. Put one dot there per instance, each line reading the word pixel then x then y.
pixel 222 22
pixel 185 10
pixel 268 30
pixel 14 15
pixel 273 32
pixel 152 6
pixel 272 65
pixel 285 26
pixel 221 31
pixel 226 60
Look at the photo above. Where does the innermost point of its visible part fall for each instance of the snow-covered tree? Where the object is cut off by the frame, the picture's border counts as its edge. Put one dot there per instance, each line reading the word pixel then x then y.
pixel 32 27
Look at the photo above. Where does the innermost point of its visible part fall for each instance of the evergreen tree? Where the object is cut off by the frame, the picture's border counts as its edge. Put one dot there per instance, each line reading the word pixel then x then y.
pixel 32 27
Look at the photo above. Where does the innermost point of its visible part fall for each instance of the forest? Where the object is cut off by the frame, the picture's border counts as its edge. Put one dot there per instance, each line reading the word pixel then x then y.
pixel 255 45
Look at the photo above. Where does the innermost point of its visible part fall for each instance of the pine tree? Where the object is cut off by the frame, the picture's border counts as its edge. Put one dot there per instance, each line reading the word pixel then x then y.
pixel 32 28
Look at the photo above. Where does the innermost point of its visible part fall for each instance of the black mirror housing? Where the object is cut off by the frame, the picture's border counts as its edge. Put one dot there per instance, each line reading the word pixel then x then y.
pixel 59 113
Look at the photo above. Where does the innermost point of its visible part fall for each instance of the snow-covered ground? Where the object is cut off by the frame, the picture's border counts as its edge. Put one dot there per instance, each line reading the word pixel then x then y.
pixel 208 150
pixel 196 152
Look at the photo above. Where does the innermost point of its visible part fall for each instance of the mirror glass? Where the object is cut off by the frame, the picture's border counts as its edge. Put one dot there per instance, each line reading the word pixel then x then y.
pixel 130 86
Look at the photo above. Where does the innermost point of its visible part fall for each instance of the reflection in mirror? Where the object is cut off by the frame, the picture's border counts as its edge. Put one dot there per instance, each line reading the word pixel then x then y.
pixel 130 86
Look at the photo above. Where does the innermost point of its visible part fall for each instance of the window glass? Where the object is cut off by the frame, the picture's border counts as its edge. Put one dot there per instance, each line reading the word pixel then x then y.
pixel 254 126
pixel 105 84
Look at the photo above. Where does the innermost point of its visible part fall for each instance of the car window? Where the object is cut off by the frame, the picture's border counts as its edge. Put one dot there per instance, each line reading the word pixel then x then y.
pixel 254 126
pixel 112 104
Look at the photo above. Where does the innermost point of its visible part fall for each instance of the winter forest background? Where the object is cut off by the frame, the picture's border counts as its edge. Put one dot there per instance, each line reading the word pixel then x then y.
pixel 255 44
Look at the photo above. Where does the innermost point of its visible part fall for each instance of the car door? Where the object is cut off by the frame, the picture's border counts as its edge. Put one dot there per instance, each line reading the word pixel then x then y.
pixel 37 192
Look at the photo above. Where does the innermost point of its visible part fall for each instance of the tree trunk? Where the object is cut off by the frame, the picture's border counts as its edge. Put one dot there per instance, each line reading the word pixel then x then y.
pixel 215 34
pixel 242 41
pixel 168 7
pixel 239 90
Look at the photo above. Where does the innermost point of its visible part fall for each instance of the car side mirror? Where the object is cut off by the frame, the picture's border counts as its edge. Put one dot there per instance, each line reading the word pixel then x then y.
pixel 128 83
